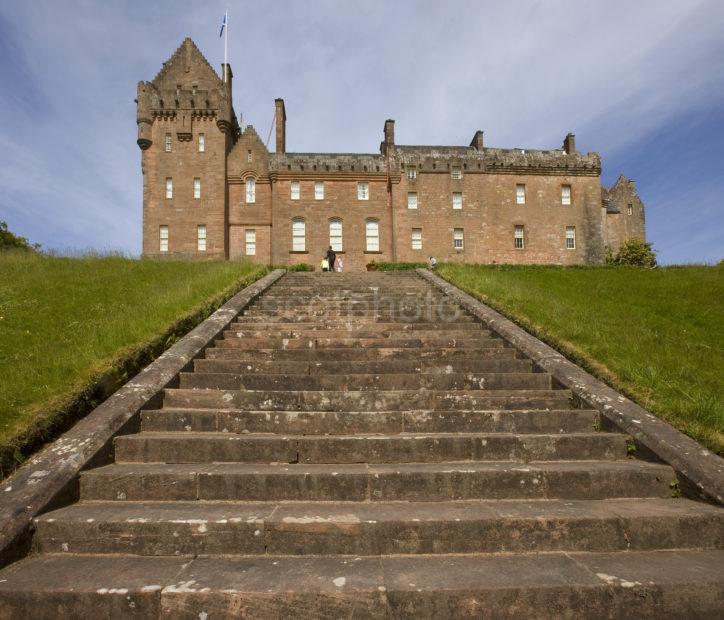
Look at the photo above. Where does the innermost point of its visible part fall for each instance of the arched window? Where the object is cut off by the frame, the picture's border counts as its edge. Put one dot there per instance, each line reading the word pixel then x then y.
pixel 335 234
pixel 372 232
pixel 299 239
pixel 250 190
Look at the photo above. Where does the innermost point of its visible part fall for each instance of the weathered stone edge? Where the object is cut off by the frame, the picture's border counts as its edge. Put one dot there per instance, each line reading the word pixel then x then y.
pixel 50 477
pixel 700 471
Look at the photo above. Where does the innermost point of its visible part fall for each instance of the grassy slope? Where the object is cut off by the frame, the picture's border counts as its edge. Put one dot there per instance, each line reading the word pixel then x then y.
pixel 66 321
pixel 657 335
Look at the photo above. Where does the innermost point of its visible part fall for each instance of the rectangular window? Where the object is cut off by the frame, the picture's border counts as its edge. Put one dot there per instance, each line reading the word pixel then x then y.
pixel 458 238
pixel 295 190
pixel 250 190
pixel 197 188
pixel 417 238
pixel 169 187
pixel 168 143
pixel 335 235
pixel 457 200
pixel 372 232
pixel 363 190
pixel 163 238
pixel 565 194
pixel 202 143
pixel 250 239
pixel 319 190
pixel 630 209
pixel 299 242
pixel 570 237
pixel 412 200
pixel 411 174
pixel 518 241
pixel 520 194
pixel 249 156
pixel 201 238
pixel 456 173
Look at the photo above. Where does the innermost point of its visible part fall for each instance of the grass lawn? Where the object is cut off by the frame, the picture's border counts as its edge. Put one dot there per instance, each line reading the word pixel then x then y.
pixel 656 335
pixel 65 322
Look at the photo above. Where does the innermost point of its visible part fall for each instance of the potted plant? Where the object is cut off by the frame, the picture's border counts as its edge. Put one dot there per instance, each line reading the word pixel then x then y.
pixel 372 266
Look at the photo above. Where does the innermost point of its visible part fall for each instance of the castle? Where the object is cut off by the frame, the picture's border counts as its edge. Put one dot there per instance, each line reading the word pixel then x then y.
pixel 212 189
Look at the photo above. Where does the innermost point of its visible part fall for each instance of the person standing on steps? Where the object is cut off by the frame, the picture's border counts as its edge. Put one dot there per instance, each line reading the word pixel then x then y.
pixel 331 259
pixel 325 263
pixel 339 264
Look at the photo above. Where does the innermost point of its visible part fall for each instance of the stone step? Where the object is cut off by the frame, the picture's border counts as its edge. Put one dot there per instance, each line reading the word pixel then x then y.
pixel 377 482
pixel 442 356
pixel 324 331
pixel 251 365
pixel 389 400
pixel 214 447
pixel 355 326
pixel 378 528
pixel 341 422
pixel 361 319
pixel 647 585
pixel 412 315
pixel 470 343
pixel 387 381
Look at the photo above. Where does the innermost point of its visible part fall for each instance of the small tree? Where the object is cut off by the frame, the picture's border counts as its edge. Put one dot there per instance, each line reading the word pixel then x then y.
pixel 633 252
pixel 9 241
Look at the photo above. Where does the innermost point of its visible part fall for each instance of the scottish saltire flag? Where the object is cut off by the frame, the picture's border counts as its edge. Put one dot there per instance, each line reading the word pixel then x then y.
pixel 223 25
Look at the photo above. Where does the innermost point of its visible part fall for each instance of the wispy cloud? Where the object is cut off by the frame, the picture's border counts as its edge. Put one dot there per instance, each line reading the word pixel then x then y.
pixel 616 73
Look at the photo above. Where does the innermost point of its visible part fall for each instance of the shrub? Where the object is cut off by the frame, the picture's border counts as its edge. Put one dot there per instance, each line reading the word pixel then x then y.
pixel 9 241
pixel 383 266
pixel 633 252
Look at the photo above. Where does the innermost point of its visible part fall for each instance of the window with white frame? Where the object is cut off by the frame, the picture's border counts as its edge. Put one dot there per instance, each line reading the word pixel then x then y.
pixel 169 187
pixel 518 239
pixel 319 190
pixel 458 236
pixel 412 200
pixel 299 235
pixel 201 237
pixel 202 143
pixel 565 194
pixel 570 237
pixel 363 190
pixel 197 187
pixel 457 200
pixel 163 238
pixel 168 143
pixel 417 238
pixel 250 241
pixel 520 194
pixel 456 173
pixel 372 234
pixel 249 156
pixel 250 190
pixel 630 209
pixel 295 192
pixel 335 234
pixel 411 174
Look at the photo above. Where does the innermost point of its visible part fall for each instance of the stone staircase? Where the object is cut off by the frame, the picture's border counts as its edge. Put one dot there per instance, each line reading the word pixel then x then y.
pixel 357 446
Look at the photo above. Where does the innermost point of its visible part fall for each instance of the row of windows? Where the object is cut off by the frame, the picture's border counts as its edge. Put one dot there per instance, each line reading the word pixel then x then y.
pixel 520 194
pixel 249 239
pixel 201 143
pixel 456 173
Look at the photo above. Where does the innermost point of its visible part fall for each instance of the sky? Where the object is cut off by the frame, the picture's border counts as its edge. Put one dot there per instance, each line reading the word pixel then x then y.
pixel 641 82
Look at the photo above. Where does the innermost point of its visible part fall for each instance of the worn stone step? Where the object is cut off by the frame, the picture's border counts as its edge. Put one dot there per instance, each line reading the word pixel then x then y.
pixel 381 381
pixel 341 422
pixel 377 482
pixel 647 585
pixel 251 365
pixel 469 343
pixel 378 528
pixel 322 331
pixel 362 319
pixel 443 356
pixel 216 447
pixel 368 326
pixel 360 400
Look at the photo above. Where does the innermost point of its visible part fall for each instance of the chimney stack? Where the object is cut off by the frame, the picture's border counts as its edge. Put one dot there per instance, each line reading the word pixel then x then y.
pixel 389 142
pixel 477 142
pixel 569 144
pixel 281 123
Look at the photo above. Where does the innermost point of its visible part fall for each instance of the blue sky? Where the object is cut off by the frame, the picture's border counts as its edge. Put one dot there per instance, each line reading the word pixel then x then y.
pixel 640 82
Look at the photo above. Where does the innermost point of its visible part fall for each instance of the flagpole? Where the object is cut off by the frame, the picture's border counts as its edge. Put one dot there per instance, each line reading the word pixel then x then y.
pixel 226 46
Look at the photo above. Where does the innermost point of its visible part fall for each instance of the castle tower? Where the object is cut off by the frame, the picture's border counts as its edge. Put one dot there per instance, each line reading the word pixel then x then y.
pixel 186 128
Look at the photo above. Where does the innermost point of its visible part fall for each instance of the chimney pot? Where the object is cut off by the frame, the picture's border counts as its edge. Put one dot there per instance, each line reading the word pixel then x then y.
pixel 281 123
pixel 477 142
pixel 569 144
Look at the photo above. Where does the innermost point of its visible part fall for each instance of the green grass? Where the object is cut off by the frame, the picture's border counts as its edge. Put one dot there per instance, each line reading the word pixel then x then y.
pixel 67 322
pixel 657 335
